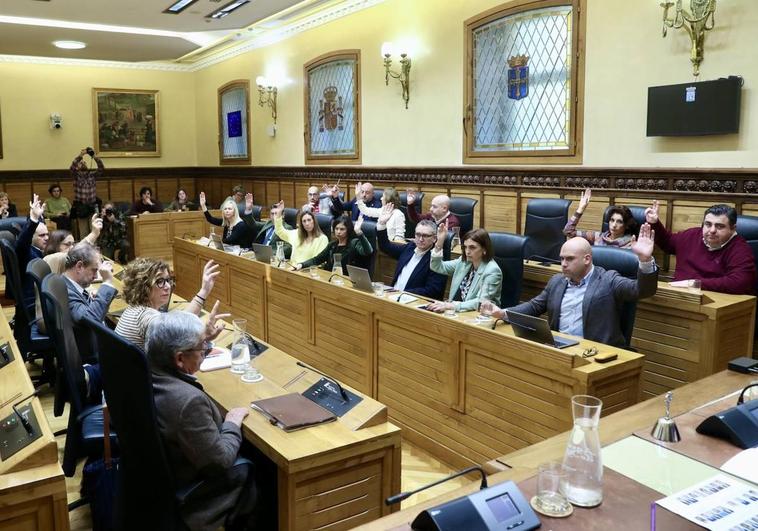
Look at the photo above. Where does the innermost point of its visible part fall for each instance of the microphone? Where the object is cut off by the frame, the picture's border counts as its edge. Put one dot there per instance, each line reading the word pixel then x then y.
pixel 4 352
pixel 257 346
pixel 343 394
pixel 24 421
pixel 544 259
pixel 342 277
pixel 504 320
pixel 403 495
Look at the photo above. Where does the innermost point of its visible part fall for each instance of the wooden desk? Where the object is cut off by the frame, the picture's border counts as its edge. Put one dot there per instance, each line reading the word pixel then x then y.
pixel 685 335
pixel 462 392
pixel 153 234
pixel 333 476
pixel 32 486
pixel 523 464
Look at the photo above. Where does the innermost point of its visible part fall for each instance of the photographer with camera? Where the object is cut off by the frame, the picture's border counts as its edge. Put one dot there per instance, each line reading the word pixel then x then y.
pixel 113 241
pixel 85 191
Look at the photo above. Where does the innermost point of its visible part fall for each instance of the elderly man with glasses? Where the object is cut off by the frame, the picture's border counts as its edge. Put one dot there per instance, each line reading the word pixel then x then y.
pixel 412 273
pixel 201 444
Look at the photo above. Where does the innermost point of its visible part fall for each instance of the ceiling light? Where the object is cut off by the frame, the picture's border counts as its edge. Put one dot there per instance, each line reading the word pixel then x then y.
pixel 228 8
pixel 69 45
pixel 178 7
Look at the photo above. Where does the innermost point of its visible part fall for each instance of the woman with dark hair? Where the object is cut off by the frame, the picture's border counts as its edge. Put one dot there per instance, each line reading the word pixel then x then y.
pixel 476 275
pixel 307 240
pixel 622 227
pixel 349 241
pixel 60 241
pixel 181 202
pixel 145 202
pixel 236 231
pixel 396 223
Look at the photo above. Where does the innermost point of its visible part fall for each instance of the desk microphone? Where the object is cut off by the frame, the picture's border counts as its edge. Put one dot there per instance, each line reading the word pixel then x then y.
pixel 342 277
pixel 403 495
pixel 24 421
pixel 343 394
pixel 4 352
pixel 499 319
pixel 544 259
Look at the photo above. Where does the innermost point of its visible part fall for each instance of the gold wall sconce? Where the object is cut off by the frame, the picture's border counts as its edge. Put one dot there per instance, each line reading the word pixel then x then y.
pixel 404 76
pixel 267 94
pixel 701 18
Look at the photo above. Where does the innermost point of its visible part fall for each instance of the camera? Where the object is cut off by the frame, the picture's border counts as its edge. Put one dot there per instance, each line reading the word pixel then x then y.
pixel 90 152
pixel 108 211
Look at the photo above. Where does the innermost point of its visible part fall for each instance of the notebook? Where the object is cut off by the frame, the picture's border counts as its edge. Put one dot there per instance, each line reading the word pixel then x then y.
pixel 292 411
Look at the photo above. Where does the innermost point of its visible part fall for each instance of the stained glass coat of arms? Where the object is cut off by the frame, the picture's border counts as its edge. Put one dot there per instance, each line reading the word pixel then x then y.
pixel 522 81
pixel 332 108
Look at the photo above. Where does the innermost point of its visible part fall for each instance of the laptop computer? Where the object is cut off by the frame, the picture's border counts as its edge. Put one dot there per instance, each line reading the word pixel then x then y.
pixel 263 253
pixel 360 277
pixel 214 240
pixel 536 329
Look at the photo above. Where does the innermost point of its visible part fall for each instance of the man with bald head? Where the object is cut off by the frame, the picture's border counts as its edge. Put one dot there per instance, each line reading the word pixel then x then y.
pixel 585 300
pixel 366 195
pixel 318 204
pixel 439 211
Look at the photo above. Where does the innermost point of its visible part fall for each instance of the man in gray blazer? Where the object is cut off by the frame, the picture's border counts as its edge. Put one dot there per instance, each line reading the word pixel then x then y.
pixel 201 445
pixel 586 300
pixel 83 263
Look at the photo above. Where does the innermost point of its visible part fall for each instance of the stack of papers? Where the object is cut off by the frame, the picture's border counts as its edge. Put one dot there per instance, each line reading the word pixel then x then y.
pixel 219 358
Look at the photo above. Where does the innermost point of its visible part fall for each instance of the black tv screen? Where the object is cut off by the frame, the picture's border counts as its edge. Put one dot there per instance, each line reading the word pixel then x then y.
pixel 689 109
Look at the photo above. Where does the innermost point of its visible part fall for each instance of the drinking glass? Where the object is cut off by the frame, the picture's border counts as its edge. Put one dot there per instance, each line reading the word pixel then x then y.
pixel 450 312
pixel 313 271
pixel 378 288
pixel 240 348
pixel 550 499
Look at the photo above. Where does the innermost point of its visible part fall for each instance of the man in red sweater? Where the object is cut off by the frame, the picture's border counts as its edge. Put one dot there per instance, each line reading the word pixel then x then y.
pixel 714 253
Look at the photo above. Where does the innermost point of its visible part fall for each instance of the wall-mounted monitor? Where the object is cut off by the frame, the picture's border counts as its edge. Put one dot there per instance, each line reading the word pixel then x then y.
pixel 691 109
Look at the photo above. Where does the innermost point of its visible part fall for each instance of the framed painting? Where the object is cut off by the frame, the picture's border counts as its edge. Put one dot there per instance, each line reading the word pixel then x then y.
pixel 234 122
pixel 332 108
pixel 126 122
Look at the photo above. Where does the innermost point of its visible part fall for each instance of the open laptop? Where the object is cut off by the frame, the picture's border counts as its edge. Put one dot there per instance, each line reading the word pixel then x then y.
pixel 536 329
pixel 214 240
pixel 263 253
pixel 360 277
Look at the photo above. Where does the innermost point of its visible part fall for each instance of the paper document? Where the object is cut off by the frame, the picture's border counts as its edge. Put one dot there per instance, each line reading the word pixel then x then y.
pixel 204 241
pixel 405 298
pixel 219 358
pixel 743 465
pixel 718 503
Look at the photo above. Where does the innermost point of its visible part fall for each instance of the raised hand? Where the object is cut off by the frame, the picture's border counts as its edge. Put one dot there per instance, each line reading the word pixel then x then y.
pixel 202 202
pixel 410 197
pixel 106 271
pixel 644 245
pixel 334 191
pixel 441 235
pixel 212 328
pixel 651 213
pixel 210 272
pixel 385 214
pixel 358 193
pixel 358 224
pixel 36 208
pixel 97 224
pixel 584 200
pixel 248 202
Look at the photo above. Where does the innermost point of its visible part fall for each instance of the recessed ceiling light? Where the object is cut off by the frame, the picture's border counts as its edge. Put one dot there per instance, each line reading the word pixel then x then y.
pixel 69 45
pixel 178 7
pixel 228 8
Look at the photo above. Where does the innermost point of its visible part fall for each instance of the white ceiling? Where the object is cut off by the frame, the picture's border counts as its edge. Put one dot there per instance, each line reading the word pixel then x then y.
pixel 142 31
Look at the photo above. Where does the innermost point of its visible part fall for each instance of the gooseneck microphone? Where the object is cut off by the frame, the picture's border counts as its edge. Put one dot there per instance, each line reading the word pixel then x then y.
pixel 343 394
pixel 544 259
pixel 343 277
pixel 403 495
pixel 24 421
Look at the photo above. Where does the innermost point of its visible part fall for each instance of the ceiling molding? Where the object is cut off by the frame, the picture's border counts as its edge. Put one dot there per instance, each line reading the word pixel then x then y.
pixel 270 37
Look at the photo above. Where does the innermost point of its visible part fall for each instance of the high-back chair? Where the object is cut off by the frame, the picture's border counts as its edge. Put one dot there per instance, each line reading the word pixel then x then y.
pixel 325 224
pixel 257 212
pixel 747 227
pixel 463 208
pixel 290 216
pixel 369 262
pixel 509 255
pixel 545 220
pixel 409 227
pixel 626 263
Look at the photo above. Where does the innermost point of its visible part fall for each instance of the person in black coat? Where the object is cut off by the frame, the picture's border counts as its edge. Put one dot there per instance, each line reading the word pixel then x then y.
pixel 236 231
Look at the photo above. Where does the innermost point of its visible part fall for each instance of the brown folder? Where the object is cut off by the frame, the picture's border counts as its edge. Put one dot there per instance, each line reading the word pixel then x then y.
pixel 292 411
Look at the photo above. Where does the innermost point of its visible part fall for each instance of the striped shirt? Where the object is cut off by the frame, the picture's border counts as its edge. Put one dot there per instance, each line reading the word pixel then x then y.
pixel 133 324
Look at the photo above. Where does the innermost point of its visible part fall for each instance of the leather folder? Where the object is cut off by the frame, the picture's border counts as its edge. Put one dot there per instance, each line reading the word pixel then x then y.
pixel 292 411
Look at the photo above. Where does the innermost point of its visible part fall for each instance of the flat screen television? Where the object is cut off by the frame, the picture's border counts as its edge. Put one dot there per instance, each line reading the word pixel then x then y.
pixel 690 109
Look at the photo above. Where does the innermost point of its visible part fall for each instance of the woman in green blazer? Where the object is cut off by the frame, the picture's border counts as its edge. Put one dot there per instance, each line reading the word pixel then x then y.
pixel 349 241
pixel 476 275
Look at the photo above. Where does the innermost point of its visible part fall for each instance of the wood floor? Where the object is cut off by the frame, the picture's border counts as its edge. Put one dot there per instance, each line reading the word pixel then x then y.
pixel 418 468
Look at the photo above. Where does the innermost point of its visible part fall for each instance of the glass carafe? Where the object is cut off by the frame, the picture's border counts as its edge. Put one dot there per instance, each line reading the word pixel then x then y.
pixel 582 462
pixel 455 242
pixel 240 348
pixel 280 257
pixel 337 269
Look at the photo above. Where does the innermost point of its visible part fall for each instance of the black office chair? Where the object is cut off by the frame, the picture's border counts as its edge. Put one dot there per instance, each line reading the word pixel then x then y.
pixel 463 207
pixel 545 220
pixel 148 494
pixel 12 225
pixel 369 262
pixel 747 227
pixel 257 212
pixel 290 216
pixel 638 213
pixel 325 223
pixel 84 433
pixel 626 263
pixel 32 344
pixel 409 226
pixel 509 255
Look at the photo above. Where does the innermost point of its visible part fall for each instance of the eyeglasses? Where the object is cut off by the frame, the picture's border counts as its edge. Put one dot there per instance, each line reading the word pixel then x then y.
pixel 163 282
pixel 423 236
pixel 204 350
pixel 314 194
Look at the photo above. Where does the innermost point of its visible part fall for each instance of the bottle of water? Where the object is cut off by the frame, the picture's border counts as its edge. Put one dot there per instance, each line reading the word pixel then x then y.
pixel 240 348
pixel 337 270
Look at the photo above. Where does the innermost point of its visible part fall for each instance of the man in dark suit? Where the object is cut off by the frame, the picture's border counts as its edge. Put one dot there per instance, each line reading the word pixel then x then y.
pixel 412 273
pixel 31 244
pixel 82 266
pixel 586 300
pixel 200 443
pixel 363 190
pixel 264 230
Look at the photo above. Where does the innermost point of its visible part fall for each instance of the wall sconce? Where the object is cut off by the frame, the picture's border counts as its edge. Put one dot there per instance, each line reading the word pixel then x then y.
pixel 700 19
pixel 267 94
pixel 404 76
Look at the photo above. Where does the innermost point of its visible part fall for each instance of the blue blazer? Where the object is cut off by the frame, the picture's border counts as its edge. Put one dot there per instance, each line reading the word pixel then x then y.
pixel 423 280
pixel 339 208
pixel 93 307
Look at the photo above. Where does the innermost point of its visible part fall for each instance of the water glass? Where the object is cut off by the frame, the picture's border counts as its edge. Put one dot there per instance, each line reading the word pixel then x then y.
pixel 252 375
pixel 378 288
pixel 550 499
pixel 694 284
pixel 313 272
pixel 450 312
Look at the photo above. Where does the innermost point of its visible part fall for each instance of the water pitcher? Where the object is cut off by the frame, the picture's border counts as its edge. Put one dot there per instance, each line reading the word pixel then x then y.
pixel 280 252
pixel 582 462
pixel 337 269
pixel 240 348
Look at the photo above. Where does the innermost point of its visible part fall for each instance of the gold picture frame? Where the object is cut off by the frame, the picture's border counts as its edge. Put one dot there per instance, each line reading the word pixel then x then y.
pixel 126 122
